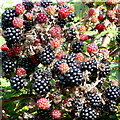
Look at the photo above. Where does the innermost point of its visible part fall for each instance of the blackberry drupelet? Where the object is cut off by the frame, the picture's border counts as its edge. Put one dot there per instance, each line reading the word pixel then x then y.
pixel 46 56
pixel 28 25
pixel 8 66
pixel 88 113
pixel 105 71
pixel 12 35
pixel 70 60
pixel 118 38
pixel 77 47
pixel 42 74
pixel 72 77
pixel 94 99
pixel 61 22
pixel 27 64
pixel 110 105
pixel 71 17
pixel 78 106
pixel 44 113
pixel 113 92
pixel 17 82
pixel 70 34
pixel 89 65
pixel 7 18
pixel 28 5
pixel 42 86
pixel 45 3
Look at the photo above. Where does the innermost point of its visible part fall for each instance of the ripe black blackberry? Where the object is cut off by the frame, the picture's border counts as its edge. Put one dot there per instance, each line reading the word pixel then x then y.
pixel 12 35
pixel 42 86
pixel 78 106
pixel 17 82
pixel 28 25
pixel 61 6
pixel 70 18
pixel 70 34
pixel 72 77
pixel 61 22
pixel 8 66
pixel 94 99
pixel 88 113
pixel 46 56
pixel 113 92
pixel 45 3
pixel 77 47
pixel 89 65
pixel 70 60
pixel 42 74
pixel 110 105
pixel 7 18
pixel 44 113
pixel 105 70
pixel 27 64
pixel 118 38
pixel 28 5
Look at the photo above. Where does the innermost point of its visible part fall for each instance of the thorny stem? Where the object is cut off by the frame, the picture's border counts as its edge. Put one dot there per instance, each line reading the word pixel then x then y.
pixel 115 52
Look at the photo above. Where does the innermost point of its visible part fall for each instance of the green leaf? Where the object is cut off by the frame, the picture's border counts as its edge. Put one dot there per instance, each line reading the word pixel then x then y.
pixel 113 65
pixel 91 33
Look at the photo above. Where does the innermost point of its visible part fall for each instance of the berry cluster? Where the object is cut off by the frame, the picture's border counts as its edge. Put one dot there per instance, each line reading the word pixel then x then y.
pixel 59 61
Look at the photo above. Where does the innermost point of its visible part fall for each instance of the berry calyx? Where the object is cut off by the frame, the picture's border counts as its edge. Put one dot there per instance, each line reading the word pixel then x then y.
pixel 63 12
pixel 4 47
pixel 60 55
pixel 41 18
pixel 92 48
pixel 21 71
pixel 43 103
pixel 56 114
pixel 91 12
pixel 19 8
pixel 17 22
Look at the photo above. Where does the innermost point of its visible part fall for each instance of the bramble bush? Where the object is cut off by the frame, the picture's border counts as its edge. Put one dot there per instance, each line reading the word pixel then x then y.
pixel 61 61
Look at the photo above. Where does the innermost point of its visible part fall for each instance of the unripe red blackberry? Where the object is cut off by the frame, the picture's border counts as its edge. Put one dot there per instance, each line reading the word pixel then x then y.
pixel 63 12
pixel 92 48
pixel 91 12
pixel 42 18
pixel 56 114
pixel 19 8
pixel 60 54
pixel 84 37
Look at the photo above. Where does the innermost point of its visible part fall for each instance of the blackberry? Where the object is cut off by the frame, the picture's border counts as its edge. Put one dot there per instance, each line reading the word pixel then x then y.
pixel 72 77
pixel 118 38
pixel 70 60
pixel 42 74
pixel 61 6
pixel 43 113
pixel 12 35
pixel 7 18
pixel 61 22
pixel 105 69
pixel 110 105
pixel 94 99
pixel 8 66
pixel 42 86
pixel 88 113
pixel 89 65
pixel 70 34
pixel 47 56
pixel 113 92
pixel 45 3
pixel 27 64
pixel 28 5
pixel 77 47
pixel 70 18
pixel 78 106
pixel 28 25
pixel 17 82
